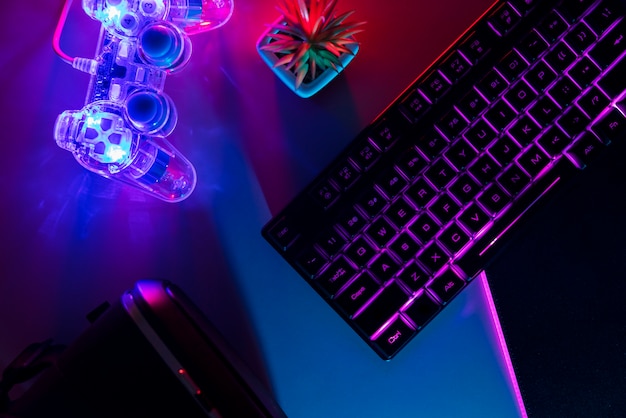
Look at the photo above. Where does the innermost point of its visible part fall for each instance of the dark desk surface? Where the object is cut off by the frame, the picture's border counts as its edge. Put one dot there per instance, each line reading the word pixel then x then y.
pixel 71 240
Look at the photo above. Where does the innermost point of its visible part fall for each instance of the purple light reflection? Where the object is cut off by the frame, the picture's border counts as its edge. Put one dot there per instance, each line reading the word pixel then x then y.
pixel 504 351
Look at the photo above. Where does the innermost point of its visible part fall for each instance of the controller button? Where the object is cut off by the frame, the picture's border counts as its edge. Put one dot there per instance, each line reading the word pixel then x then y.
pixel 106 124
pixel 148 6
pixel 91 133
pixel 113 2
pixel 129 21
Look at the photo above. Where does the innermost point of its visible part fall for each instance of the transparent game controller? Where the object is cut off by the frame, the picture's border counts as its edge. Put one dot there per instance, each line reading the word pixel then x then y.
pixel 121 131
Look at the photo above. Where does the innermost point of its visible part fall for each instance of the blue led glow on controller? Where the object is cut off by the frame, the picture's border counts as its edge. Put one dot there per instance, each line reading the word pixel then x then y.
pixel 121 131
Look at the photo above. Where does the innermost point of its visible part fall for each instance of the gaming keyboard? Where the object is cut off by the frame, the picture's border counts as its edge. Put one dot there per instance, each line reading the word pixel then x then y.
pixel 422 199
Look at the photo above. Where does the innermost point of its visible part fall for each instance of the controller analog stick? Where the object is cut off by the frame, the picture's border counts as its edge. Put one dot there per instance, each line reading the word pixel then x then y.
pixel 161 45
pixel 147 111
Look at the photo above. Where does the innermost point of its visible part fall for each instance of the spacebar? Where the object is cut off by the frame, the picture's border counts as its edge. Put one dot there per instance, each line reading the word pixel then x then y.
pixel 483 250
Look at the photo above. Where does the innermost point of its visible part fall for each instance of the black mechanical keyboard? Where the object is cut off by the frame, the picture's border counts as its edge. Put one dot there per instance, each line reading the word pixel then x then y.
pixel 420 201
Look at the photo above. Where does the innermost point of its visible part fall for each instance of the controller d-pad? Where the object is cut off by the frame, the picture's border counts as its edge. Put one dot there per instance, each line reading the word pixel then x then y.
pixel 106 124
pixel 99 148
pixel 115 139
pixel 91 133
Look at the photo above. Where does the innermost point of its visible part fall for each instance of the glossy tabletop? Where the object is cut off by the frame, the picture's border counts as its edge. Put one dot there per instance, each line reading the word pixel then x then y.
pixel 71 239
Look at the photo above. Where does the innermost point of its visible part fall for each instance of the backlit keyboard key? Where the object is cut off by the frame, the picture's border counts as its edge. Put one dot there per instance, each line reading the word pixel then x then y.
pixel 381 309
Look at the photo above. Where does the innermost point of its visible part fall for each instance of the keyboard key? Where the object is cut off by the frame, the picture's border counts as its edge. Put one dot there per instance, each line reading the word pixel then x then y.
pixel 484 169
pixel 533 160
pixel 504 150
pixel 520 96
pixel 474 218
pixel 603 16
pixel 460 154
pixel 444 208
pixel 331 242
pixel 454 238
pixel 612 127
pixel 477 44
pixel 283 233
pixel 613 82
pixel 383 267
pixel 447 286
pixel 381 308
pixel 400 212
pixel 452 124
pixel 464 189
pixel 357 293
pixel 440 173
pixel 364 154
pixel 545 111
pixel 564 92
pixel 581 37
pixel 351 221
pixel 411 163
pixel 472 105
pixel 573 9
pixel 433 258
pixel 492 85
pixel 345 174
pixel 360 252
pixel 338 274
pixel 584 72
pixel 431 144
pixel 380 231
pixel 512 66
pixel 435 86
pixel 585 149
pixel 494 199
pixel 540 76
pixel 611 46
pixel 560 57
pixel 422 309
pixel 421 193
pixel 480 134
pixel 573 121
pixel 414 276
pixel 532 46
pixel 424 227
pixel 593 102
pixel 391 182
pixel 525 130
pixel 554 141
pixel 394 337
pixel 414 106
pixel 455 66
pixel 500 115
pixel 372 202
pixel 513 180
pixel 311 262
pixel 553 27
pixel 405 247
pixel 503 19
pixel 384 134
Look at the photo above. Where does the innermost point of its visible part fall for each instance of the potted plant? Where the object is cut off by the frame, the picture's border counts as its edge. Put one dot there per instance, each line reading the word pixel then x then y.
pixel 309 45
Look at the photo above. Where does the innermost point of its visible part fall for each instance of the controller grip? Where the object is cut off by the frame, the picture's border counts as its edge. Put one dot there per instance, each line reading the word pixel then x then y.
pixel 102 143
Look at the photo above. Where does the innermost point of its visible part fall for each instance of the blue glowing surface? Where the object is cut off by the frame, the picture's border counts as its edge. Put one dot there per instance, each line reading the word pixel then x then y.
pixel 72 239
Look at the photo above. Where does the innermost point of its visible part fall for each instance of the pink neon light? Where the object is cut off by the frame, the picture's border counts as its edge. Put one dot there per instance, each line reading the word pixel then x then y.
pixel 504 351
